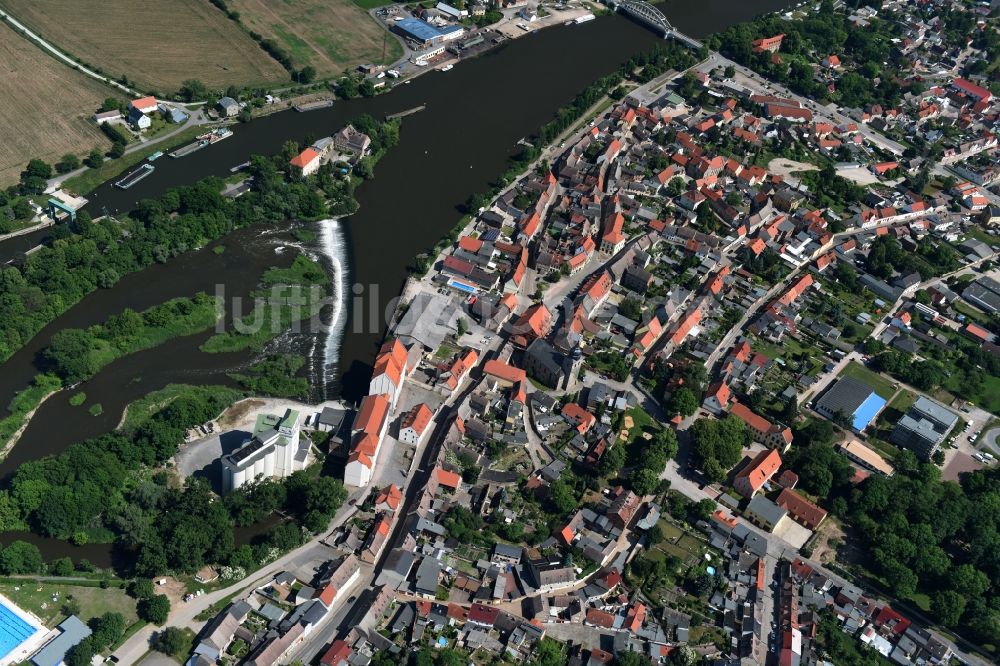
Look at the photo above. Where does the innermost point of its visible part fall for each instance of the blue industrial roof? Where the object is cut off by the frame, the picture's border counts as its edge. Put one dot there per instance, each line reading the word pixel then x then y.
pixel 867 411
pixel 73 631
pixel 422 30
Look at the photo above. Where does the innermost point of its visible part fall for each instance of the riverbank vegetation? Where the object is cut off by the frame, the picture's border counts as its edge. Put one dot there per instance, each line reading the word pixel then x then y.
pixel 115 486
pixel 287 296
pixel 75 355
pixel 24 403
pixel 276 375
pixel 140 411
pixel 111 484
pixel 94 255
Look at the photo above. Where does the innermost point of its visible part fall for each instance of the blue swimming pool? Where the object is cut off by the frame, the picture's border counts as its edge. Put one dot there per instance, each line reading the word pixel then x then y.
pixel 462 286
pixel 13 630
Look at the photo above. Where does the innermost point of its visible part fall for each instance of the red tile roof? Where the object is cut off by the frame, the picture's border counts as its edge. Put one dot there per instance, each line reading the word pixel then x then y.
pixel 801 509
pixel 390 496
pixel 483 614
pixel 971 89
pixel 417 418
pixel 303 159
pixel 372 413
pixel 143 103
pixel 447 479
pixel 977 332
pixel 337 654
pixel 583 419
pixel 503 371
pixel 600 618
pixel 760 469
pixel 470 244
pixel 752 419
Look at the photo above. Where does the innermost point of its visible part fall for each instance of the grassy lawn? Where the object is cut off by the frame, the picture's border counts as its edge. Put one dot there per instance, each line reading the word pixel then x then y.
pixel 921 600
pixel 988 395
pixel 980 234
pixel 972 313
pixel 92 178
pixel 885 449
pixel 641 422
pixel 789 348
pixel 670 531
pixel 903 400
pixel 446 351
pixel 372 4
pixel 46 600
pixel 880 384
pixel 678 552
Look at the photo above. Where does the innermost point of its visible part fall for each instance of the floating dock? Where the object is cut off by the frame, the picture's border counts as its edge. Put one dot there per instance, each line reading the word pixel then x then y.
pixel 134 176
pixel 312 106
pixel 408 112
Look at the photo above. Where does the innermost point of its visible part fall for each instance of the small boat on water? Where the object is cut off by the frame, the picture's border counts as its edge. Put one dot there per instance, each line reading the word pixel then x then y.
pixel 447 68
pixel 155 156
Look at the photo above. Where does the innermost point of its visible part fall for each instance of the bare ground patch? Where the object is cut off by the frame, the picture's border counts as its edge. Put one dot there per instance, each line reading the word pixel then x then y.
pixel 45 108
pixel 332 36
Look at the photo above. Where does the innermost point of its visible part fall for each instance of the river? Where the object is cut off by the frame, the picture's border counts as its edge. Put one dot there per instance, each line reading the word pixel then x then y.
pixel 474 116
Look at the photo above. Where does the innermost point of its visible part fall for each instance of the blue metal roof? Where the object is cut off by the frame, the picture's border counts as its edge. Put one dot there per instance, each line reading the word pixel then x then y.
pixel 73 631
pixel 421 30
pixel 867 411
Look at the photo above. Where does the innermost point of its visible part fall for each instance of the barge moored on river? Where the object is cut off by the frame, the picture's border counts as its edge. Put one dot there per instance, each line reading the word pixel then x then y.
pixel 216 135
pixel 134 176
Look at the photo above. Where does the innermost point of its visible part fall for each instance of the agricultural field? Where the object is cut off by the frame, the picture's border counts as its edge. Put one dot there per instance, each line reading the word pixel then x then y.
pixel 157 45
pixel 329 36
pixel 45 109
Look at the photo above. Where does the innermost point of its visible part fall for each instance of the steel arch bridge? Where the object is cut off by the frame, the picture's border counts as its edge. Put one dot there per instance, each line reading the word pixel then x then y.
pixel 646 13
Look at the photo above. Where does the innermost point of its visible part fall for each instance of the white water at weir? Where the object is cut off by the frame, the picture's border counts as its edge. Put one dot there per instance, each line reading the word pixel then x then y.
pixel 332 246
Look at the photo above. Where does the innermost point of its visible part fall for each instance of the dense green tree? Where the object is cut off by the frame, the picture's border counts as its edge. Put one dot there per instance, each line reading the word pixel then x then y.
pixel 108 630
pixel 948 606
pixel 718 444
pixel 171 641
pixel 20 557
pixel 154 609
pixel 683 401
pixel 68 163
pixel 563 497
pixel 192 90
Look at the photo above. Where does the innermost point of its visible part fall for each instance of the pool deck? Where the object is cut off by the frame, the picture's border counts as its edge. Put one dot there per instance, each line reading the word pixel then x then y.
pixel 27 647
